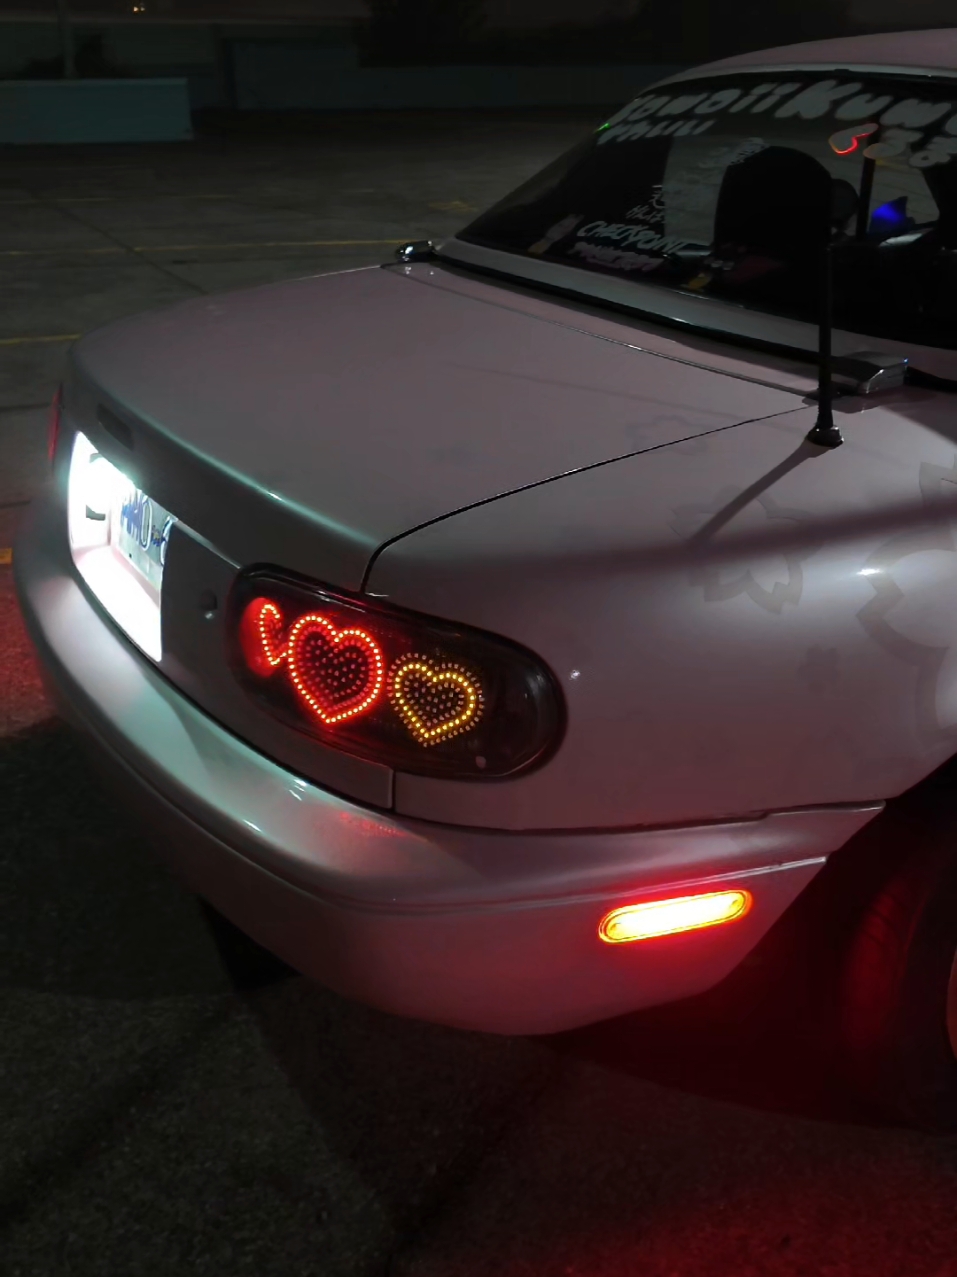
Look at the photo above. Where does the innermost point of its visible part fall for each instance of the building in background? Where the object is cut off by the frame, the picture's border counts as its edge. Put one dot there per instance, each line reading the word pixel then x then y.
pixel 249 53
pixel 893 15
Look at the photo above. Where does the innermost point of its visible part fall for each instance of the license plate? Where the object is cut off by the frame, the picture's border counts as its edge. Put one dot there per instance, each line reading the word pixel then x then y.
pixel 140 533
pixel 118 536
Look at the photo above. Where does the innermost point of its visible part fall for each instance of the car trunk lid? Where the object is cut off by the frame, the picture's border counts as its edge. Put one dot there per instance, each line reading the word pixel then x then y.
pixel 308 423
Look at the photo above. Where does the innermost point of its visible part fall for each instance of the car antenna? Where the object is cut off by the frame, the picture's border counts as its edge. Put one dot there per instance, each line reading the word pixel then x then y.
pixel 824 432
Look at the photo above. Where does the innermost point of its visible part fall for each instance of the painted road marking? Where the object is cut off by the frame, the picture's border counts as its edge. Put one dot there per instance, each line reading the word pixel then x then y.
pixel 37 202
pixel 28 341
pixel 37 252
pixel 180 248
pixel 194 248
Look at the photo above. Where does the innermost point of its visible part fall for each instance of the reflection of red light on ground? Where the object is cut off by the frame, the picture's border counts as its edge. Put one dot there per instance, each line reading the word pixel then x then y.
pixel 53 423
pixel 669 917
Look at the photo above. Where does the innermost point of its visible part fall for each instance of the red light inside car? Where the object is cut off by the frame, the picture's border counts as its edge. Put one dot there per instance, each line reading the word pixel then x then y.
pixel 845 141
pixel 410 691
pixel 53 423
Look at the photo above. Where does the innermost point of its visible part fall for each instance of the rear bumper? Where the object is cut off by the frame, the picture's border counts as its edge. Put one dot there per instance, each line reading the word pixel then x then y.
pixel 484 930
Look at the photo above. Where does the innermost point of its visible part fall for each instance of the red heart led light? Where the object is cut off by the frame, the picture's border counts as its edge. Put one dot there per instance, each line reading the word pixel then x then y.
pixel 435 702
pixel 260 633
pixel 338 673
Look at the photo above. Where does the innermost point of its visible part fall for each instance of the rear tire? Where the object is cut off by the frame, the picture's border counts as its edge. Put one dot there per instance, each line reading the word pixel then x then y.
pixel 899 987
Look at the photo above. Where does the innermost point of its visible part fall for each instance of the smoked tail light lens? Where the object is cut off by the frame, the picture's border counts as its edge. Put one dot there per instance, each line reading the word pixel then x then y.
pixel 670 916
pixel 53 423
pixel 412 692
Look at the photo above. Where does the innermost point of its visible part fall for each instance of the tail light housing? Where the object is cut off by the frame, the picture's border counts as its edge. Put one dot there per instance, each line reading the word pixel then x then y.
pixel 412 692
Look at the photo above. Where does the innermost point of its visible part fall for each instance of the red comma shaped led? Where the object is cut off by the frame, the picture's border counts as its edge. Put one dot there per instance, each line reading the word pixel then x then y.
pixel 260 636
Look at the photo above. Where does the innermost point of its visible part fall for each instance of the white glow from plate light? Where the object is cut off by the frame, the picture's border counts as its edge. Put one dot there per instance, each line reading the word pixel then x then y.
pixel 96 494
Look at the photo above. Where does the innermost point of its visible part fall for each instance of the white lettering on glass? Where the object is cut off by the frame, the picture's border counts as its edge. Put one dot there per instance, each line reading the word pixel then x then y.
pixel 893 142
pixel 780 92
pixel 625 111
pixel 683 103
pixel 939 151
pixel 718 101
pixel 752 97
pixel 913 114
pixel 862 105
pixel 816 100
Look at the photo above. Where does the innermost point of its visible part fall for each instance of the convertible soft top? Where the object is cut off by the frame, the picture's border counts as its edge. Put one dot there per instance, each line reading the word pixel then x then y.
pixel 908 50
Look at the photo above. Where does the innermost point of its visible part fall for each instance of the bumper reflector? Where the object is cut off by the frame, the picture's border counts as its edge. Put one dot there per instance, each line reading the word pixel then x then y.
pixel 668 917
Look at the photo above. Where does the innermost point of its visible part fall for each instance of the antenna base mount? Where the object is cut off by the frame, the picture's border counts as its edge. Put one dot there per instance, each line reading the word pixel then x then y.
pixel 825 434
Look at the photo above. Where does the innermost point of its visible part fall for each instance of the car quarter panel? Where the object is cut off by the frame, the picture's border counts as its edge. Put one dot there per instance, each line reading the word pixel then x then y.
pixel 329 844
pixel 740 623
pixel 486 930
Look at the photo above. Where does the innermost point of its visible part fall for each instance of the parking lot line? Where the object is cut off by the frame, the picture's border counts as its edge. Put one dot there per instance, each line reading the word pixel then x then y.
pixel 28 341
pixel 61 252
pixel 131 197
pixel 193 248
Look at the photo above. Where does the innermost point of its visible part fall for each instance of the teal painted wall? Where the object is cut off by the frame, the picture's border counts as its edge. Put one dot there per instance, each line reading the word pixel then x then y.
pixel 277 68
pixel 62 111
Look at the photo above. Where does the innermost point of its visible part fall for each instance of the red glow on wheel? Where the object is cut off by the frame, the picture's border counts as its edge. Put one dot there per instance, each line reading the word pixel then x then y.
pixel 53 423
pixel 339 674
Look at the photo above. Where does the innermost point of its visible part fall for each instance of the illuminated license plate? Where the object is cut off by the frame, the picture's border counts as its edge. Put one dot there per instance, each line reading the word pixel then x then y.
pixel 139 531
pixel 118 536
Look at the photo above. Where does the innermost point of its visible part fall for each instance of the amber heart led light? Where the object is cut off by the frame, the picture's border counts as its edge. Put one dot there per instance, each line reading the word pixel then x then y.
pixel 434 701
pixel 338 673
pixel 260 634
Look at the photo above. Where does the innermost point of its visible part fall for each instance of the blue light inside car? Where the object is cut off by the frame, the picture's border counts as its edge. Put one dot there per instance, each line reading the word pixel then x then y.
pixel 890 218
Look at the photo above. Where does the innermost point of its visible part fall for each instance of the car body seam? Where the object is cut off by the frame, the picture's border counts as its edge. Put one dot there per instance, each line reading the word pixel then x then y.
pixel 614 341
pixel 566 474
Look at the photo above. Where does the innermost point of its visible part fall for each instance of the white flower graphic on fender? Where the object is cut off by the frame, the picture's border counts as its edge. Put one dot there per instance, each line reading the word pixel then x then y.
pixel 750 546
pixel 913 614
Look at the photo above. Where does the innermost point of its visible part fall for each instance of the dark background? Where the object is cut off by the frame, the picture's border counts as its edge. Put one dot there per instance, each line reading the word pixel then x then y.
pixel 524 32
pixel 171 1102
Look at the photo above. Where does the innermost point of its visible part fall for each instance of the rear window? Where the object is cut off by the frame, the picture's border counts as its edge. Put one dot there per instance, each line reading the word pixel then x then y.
pixel 733 187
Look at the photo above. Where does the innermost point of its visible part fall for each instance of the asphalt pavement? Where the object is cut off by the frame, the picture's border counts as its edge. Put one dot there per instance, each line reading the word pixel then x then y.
pixel 171 1101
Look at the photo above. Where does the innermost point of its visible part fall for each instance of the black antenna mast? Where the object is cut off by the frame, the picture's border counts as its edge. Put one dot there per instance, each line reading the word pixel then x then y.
pixel 824 432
